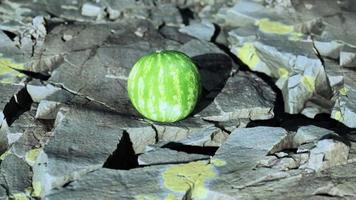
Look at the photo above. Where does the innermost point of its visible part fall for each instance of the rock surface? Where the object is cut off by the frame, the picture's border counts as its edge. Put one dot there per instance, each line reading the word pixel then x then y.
pixel 69 131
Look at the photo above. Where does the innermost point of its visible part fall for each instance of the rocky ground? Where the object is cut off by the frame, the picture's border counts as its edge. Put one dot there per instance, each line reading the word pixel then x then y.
pixel 276 119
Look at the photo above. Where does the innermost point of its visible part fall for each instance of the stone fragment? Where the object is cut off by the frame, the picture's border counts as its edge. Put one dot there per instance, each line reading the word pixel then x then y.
pixel 267 139
pixel 90 10
pixel 244 96
pixel 311 133
pixel 47 109
pixel 16 174
pixel 326 154
pixel 203 30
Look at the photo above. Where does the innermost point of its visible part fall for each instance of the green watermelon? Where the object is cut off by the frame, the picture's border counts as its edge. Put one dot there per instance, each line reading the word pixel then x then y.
pixel 164 86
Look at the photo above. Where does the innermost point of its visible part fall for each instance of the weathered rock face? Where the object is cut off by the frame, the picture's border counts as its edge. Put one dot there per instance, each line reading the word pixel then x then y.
pixel 69 131
pixel 309 84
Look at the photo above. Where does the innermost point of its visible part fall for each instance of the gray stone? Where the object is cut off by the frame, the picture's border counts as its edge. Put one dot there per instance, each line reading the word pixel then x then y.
pixel 168 156
pixel 267 139
pixel 326 154
pixel 47 109
pixel 203 30
pixel 90 10
pixel 16 174
pixel 244 96
pixel 311 133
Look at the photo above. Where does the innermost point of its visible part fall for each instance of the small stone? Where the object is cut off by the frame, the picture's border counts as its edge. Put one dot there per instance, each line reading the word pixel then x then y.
pixel 67 37
pixel 90 10
pixel 281 154
pixel 203 30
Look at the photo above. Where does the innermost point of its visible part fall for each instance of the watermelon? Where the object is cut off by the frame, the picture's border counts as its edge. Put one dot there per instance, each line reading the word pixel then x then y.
pixel 164 86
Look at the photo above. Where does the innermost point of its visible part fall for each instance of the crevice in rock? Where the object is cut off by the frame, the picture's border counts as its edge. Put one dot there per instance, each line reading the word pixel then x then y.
pixel 190 149
pixel 34 75
pixel 187 14
pixel 216 33
pixel 317 53
pixel 218 125
pixel 175 163
pixel 156 133
pixel 124 156
pixel 10 35
pixel 18 104
pixel 90 99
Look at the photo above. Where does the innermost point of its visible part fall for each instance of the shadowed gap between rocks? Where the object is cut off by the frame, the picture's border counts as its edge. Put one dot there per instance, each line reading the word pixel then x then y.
pixel 190 149
pixel 124 156
pixel 186 14
pixel 214 63
pixel 10 35
pixel 18 104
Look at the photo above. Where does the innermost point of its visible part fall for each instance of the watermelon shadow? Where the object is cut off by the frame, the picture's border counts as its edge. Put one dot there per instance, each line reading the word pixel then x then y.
pixel 215 69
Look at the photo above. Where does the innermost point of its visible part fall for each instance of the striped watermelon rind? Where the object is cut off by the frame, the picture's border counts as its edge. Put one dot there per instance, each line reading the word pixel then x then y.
pixel 164 86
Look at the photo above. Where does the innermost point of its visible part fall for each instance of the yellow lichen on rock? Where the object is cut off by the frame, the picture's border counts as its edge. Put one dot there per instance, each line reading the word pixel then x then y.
pixel 247 53
pixel 218 162
pixel 337 115
pixel 6 153
pixel 282 72
pixel 268 26
pixel 309 83
pixel 36 189
pixel 8 74
pixel 192 176
pixel 18 196
pixel 343 91
pixel 32 155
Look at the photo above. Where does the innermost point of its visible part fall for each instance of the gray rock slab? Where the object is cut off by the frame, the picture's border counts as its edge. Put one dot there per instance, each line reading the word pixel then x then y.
pixel 115 184
pixel 311 133
pixel 16 174
pixel 244 96
pixel 203 30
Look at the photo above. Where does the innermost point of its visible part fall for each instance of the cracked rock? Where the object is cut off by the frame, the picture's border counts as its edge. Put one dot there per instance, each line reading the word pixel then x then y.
pixel 168 156
pixel 80 144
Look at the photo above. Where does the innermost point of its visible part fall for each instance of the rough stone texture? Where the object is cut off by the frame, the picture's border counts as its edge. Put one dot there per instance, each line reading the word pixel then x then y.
pixel 69 131
pixel 203 30
pixel 308 134
pixel 112 184
pixel 16 174
pixel 297 61
pixel 326 154
pixel 244 96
